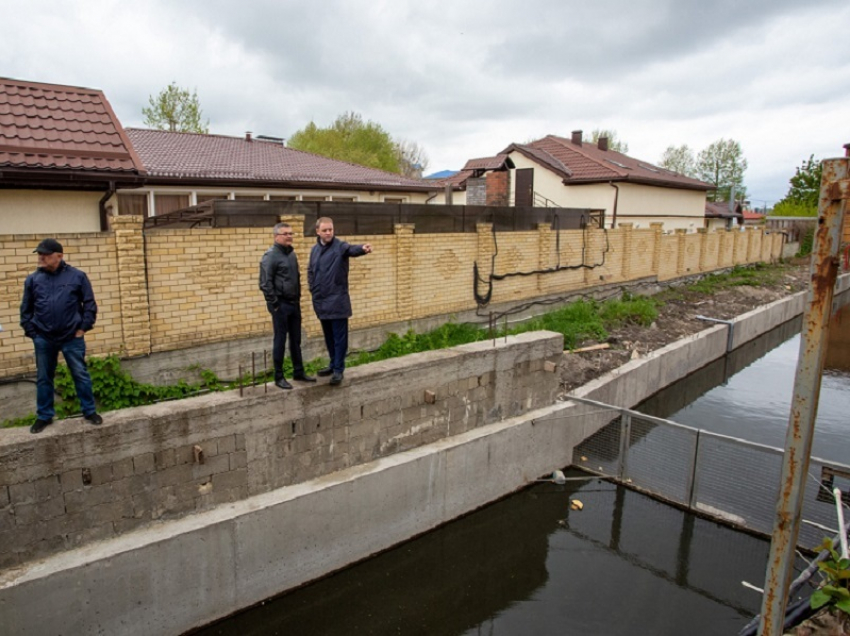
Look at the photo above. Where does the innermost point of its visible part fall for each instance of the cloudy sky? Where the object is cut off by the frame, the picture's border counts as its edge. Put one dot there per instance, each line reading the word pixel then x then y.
pixel 464 79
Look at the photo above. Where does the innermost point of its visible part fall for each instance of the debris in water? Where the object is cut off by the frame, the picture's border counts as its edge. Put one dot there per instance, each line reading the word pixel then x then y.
pixel 575 504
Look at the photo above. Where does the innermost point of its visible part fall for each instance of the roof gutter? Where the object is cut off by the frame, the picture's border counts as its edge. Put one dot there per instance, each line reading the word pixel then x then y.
pixel 110 191
pixel 616 199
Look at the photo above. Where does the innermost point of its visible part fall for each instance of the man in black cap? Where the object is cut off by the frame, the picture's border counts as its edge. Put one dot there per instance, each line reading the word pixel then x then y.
pixel 57 309
pixel 280 282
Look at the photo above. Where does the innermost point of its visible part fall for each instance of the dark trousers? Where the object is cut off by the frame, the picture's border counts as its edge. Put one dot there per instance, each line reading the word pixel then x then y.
pixel 46 358
pixel 287 322
pixel 336 340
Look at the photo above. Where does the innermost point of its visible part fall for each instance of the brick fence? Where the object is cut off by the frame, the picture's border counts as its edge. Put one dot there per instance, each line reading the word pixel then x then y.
pixel 77 483
pixel 167 290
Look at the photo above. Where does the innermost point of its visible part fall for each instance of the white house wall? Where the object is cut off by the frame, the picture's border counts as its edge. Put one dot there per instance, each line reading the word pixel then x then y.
pixel 48 211
pixel 677 209
pixel 197 195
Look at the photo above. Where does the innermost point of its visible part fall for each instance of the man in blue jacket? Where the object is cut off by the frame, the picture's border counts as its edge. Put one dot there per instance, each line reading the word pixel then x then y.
pixel 327 277
pixel 57 309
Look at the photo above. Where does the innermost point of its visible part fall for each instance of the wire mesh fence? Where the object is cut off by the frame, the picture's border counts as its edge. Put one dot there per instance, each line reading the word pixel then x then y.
pixel 728 479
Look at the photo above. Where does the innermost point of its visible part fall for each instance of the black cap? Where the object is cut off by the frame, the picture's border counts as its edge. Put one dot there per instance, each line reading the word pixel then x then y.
pixel 49 246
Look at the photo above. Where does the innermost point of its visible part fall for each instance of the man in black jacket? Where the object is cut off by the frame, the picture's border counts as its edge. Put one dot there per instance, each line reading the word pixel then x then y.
pixel 280 283
pixel 57 309
pixel 327 277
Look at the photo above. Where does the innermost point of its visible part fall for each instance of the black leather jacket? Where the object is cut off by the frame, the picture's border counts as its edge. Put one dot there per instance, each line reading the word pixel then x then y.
pixel 279 277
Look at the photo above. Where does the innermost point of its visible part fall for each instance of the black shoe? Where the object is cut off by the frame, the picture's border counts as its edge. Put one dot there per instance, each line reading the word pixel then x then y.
pixel 40 425
pixel 94 418
pixel 303 377
pixel 325 372
pixel 337 379
pixel 282 384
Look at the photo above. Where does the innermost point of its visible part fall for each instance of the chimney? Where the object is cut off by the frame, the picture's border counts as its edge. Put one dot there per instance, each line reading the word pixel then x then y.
pixel 576 137
pixel 248 136
pixel 603 143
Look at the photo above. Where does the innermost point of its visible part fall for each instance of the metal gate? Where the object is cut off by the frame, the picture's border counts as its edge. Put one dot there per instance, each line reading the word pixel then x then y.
pixel 725 478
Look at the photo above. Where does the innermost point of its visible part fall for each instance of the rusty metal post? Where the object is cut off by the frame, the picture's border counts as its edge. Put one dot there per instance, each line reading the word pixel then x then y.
pixel 834 192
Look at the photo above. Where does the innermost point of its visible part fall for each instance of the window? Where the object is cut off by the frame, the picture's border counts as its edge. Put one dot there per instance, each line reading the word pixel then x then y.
pixel 136 204
pixel 165 203
pixel 344 199
pixel 393 199
pixel 282 197
pixel 314 198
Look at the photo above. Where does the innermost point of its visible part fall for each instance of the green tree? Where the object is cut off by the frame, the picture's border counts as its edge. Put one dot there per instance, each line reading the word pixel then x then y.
pixel 723 164
pixel 350 139
pixel 804 193
pixel 175 109
pixel 613 142
pixel 679 159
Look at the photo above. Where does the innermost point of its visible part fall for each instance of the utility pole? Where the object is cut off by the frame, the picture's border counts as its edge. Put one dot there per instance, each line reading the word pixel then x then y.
pixel 832 209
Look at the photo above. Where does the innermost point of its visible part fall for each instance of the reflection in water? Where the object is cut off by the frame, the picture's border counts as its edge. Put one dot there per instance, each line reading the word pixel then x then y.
pixel 625 564
pixel 753 401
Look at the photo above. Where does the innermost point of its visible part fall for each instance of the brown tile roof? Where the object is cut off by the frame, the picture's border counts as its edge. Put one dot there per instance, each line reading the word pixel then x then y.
pixel 194 158
pixel 720 210
pixel 487 163
pixel 588 164
pixel 457 180
pixel 49 129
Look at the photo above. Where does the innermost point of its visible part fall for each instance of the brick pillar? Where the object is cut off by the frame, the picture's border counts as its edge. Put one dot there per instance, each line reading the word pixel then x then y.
pixel 594 255
pixel 404 270
pixel 703 248
pixel 738 246
pixel 544 253
pixel 484 253
pixel 627 228
pixel 680 260
pixel 658 233
pixel 132 286
pixel 722 237
pixel 498 187
pixel 750 241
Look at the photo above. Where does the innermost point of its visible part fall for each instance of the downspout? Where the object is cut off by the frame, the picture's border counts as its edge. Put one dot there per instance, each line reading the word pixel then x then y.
pixel 616 197
pixel 110 191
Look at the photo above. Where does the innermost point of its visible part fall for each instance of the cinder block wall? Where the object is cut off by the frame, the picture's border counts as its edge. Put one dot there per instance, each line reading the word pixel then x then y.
pixel 77 483
pixel 167 290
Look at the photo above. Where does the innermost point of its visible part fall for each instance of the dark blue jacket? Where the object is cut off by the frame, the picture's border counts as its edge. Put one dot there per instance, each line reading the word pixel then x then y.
pixel 327 277
pixel 56 305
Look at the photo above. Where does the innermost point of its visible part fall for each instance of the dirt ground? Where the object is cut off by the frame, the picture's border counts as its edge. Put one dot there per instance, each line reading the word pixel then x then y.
pixel 677 318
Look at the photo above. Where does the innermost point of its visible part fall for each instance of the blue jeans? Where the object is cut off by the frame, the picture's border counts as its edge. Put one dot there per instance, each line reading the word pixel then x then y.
pixel 46 357
pixel 336 340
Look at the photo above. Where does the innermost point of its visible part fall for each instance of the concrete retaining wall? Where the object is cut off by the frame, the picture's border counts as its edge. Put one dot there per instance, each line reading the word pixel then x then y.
pixel 76 483
pixel 168 578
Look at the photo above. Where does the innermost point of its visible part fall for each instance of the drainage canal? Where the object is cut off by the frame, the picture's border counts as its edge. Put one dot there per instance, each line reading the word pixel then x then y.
pixel 623 564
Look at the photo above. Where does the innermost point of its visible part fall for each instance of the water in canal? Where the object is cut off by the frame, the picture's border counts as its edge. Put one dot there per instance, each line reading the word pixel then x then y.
pixel 623 565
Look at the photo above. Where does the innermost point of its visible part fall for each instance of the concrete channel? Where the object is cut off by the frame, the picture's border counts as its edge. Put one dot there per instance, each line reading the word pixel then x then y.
pixel 171 577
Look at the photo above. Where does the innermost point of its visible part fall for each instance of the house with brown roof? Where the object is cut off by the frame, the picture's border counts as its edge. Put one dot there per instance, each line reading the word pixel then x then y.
pixel 185 169
pixel 720 215
pixel 63 156
pixel 571 173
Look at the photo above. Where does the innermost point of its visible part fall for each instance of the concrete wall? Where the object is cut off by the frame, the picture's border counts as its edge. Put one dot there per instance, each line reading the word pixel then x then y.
pixel 77 483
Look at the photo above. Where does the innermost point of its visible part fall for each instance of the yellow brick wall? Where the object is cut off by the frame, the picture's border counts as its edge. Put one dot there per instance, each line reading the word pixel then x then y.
pixel 172 289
